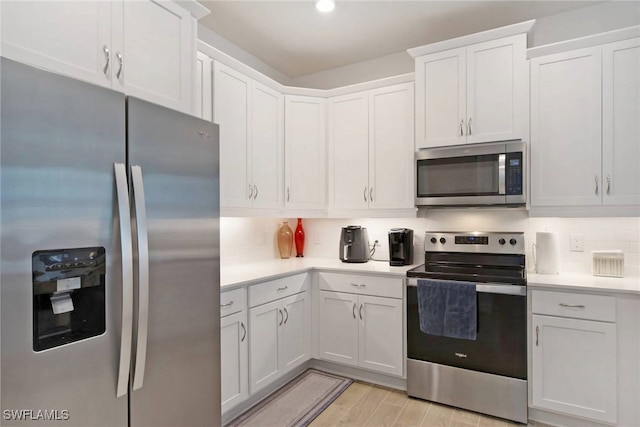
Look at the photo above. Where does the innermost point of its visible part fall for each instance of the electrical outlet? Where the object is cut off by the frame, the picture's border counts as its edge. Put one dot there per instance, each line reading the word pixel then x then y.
pixel 316 238
pixel 576 243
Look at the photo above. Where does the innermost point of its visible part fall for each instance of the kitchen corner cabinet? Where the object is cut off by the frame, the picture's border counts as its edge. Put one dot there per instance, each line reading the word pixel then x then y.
pixel 142 48
pixel 472 94
pixel 279 330
pixel 234 349
pixel 251 119
pixel 305 153
pixel 584 109
pixel 371 149
pixel 574 359
pixel 363 326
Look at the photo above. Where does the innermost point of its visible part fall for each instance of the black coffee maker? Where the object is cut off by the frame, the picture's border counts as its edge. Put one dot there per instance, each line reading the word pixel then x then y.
pixel 400 246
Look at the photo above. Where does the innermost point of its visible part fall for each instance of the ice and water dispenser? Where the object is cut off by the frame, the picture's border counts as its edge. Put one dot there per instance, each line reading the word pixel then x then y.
pixel 68 296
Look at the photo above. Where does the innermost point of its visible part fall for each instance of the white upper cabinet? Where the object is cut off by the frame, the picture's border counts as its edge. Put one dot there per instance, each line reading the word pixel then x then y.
pixel 371 150
pixel 143 48
pixel 203 96
pixel 472 94
pixel 305 149
pixel 585 105
pixel 620 128
pixel 566 128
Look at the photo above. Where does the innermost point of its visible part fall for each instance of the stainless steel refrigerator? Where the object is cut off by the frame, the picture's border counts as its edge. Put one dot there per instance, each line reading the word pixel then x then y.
pixel 109 215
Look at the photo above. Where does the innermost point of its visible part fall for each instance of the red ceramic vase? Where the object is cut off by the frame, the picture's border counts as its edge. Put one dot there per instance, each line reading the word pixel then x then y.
pixel 299 238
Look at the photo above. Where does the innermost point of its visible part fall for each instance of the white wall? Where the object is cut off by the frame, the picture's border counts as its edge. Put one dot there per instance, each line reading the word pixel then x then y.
pixel 254 239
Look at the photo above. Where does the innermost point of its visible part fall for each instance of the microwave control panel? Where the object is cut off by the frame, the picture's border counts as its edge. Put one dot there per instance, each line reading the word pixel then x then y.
pixel 513 171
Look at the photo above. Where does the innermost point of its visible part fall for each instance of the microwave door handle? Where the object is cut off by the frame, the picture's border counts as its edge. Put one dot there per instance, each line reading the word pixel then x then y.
pixel 502 158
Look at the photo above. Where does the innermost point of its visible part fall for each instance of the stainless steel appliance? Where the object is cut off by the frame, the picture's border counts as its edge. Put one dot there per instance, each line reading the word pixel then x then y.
pixel 488 374
pixel 400 246
pixel 472 175
pixel 354 244
pixel 109 258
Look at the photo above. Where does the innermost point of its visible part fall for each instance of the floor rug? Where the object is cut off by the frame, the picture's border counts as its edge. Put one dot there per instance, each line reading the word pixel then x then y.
pixel 296 403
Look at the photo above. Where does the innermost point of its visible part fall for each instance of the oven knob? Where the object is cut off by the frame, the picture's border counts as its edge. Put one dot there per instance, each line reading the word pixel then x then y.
pixel 433 240
pixel 512 241
pixel 443 240
pixel 501 241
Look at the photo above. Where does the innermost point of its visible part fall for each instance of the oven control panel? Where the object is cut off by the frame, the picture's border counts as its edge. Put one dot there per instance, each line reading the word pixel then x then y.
pixel 476 241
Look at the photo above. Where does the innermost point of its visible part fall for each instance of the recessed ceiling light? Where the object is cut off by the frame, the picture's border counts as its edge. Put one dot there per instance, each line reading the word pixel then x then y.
pixel 325 5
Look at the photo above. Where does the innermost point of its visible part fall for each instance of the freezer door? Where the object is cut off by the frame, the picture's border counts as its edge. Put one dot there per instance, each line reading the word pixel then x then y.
pixel 178 159
pixel 60 140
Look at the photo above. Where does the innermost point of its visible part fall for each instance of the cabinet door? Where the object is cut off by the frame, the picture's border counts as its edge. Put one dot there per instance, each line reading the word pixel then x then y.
pixel 349 151
pixel 264 344
pixel 380 335
pixel 339 327
pixel 391 176
pixel 157 43
pixel 565 128
pixel 266 159
pixel 574 367
pixel 620 129
pixel 496 89
pixel 231 112
pixel 69 38
pixel 305 153
pixel 296 331
pixel 233 359
pixel 441 99
pixel 203 105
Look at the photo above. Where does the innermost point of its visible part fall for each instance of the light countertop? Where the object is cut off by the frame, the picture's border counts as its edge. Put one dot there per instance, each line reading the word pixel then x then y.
pixel 585 282
pixel 244 274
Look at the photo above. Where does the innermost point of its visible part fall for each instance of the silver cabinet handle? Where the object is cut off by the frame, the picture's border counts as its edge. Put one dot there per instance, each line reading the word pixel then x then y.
pixel 288 194
pixel 462 127
pixel 469 126
pixel 355 284
pixel 255 196
pixel 283 289
pixel 597 185
pixel 244 330
pixel 250 191
pixel 608 184
pixel 105 49
pixel 362 285
pixel 360 311
pixel 354 310
pixel 229 304
pixel 365 194
pixel 571 306
pixel 461 355
pixel 537 335
pixel 121 63
pixel 126 247
pixel 371 194
pixel 287 314
pixel 281 317
pixel 143 275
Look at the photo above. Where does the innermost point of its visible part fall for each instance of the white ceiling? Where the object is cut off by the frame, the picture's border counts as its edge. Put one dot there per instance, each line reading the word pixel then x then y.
pixel 295 39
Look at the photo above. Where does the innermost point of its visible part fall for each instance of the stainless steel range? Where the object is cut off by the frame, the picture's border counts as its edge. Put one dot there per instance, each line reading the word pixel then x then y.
pixel 488 374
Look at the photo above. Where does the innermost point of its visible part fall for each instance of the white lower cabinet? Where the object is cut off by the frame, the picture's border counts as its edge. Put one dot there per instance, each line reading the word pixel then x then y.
pixel 361 330
pixel 234 349
pixel 279 338
pixel 574 361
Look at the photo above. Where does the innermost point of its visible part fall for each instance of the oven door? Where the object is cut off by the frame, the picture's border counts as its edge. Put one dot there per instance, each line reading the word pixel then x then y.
pixel 489 174
pixel 501 344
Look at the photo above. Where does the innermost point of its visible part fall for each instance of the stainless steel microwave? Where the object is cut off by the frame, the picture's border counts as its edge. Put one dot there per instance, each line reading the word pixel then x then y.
pixel 472 175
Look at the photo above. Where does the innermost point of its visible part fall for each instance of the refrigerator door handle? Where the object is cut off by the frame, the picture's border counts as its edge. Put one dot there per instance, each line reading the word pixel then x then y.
pixel 143 275
pixel 127 278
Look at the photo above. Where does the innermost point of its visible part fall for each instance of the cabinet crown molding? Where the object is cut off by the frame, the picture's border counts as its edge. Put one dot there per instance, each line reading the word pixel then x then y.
pixel 196 9
pixel 496 33
pixel 584 42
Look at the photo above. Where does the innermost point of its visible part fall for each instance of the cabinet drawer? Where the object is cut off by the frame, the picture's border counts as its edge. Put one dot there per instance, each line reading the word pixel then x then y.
pixel 363 285
pixel 578 306
pixel 276 289
pixel 232 301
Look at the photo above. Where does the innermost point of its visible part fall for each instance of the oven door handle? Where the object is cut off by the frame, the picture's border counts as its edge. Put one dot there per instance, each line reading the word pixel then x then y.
pixel 489 288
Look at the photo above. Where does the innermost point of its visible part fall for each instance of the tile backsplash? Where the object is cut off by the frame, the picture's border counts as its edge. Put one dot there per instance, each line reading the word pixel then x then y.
pixel 254 239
